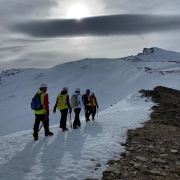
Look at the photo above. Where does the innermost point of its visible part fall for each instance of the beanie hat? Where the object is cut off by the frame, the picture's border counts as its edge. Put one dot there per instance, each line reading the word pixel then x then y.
pixel 65 88
pixel 43 85
pixel 88 90
pixel 77 89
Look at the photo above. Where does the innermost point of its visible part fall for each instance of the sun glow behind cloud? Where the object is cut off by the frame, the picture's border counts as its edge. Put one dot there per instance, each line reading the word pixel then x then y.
pixel 77 11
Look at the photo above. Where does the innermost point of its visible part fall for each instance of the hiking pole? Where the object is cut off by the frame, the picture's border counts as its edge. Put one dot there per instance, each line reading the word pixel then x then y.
pixel 70 120
pixel 97 112
pixel 43 122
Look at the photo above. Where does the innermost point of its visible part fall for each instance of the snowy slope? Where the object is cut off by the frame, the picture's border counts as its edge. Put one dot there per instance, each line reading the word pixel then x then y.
pixel 72 155
pixel 110 79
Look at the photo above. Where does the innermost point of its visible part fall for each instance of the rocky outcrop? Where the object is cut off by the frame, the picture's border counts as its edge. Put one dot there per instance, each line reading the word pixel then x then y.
pixel 147 51
pixel 152 151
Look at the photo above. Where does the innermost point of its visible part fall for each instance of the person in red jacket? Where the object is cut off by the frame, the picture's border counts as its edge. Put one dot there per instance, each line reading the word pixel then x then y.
pixel 42 114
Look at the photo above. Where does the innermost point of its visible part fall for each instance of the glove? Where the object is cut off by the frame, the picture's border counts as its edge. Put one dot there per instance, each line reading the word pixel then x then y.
pixel 47 113
pixel 97 106
pixel 54 110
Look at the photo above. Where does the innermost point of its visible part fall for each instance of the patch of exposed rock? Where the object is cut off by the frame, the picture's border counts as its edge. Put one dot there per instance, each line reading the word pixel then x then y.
pixel 152 151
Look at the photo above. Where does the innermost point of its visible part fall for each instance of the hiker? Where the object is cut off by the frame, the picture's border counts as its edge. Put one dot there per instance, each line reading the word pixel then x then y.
pixel 88 103
pixel 43 113
pixel 95 105
pixel 63 104
pixel 76 103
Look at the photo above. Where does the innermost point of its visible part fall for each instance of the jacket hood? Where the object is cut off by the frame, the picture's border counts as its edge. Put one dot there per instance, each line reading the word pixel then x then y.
pixel 76 93
pixel 63 92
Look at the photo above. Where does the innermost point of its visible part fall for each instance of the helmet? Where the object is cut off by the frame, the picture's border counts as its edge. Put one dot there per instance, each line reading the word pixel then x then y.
pixel 92 93
pixel 88 90
pixel 77 89
pixel 65 88
pixel 43 85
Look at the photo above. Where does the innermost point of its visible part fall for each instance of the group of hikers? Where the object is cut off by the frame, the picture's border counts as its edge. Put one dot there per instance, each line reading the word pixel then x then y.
pixel 40 105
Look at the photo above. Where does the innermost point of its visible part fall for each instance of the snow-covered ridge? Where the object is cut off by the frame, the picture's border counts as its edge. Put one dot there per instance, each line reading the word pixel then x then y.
pixel 110 79
pixel 8 73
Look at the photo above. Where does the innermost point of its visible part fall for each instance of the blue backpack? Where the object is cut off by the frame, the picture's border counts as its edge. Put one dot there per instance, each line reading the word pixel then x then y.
pixel 36 102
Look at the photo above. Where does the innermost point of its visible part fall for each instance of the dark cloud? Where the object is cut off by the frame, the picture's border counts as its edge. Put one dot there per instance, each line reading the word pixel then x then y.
pixel 125 24
pixel 13 9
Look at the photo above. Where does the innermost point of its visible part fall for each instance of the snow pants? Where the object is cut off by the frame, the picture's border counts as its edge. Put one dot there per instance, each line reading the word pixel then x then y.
pixel 77 119
pixel 94 111
pixel 63 118
pixel 38 119
pixel 89 111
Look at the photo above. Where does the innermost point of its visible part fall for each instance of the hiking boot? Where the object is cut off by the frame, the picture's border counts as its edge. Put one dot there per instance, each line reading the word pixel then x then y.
pixel 49 133
pixel 87 119
pixel 64 129
pixel 75 127
pixel 35 138
pixel 93 118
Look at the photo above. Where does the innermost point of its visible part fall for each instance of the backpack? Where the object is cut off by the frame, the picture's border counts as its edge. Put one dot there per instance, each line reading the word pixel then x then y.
pixel 74 100
pixel 61 102
pixel 36 102
pixel 85 99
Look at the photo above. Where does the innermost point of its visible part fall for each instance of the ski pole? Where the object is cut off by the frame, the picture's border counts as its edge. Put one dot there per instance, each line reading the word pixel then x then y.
pixel 42 123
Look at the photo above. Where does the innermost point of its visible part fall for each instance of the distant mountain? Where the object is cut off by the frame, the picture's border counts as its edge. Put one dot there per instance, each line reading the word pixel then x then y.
pixel 110 79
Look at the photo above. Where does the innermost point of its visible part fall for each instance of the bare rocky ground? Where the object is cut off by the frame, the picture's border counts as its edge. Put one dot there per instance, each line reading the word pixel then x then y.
pixel 152 151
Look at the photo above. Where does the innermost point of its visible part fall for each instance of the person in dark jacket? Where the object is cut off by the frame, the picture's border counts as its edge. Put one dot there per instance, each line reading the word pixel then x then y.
pixel 63 104
pixel 94 99
pixel 42 114
pixel 88 103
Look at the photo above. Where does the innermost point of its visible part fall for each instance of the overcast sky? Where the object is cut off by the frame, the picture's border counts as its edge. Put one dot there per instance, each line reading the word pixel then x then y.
pixel 36 33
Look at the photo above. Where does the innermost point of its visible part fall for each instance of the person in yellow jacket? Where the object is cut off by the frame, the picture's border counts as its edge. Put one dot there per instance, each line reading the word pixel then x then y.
pixel 42 114
pixel 63 104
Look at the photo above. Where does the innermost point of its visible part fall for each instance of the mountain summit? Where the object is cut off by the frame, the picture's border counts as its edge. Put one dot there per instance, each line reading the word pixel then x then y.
pixel 157 54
